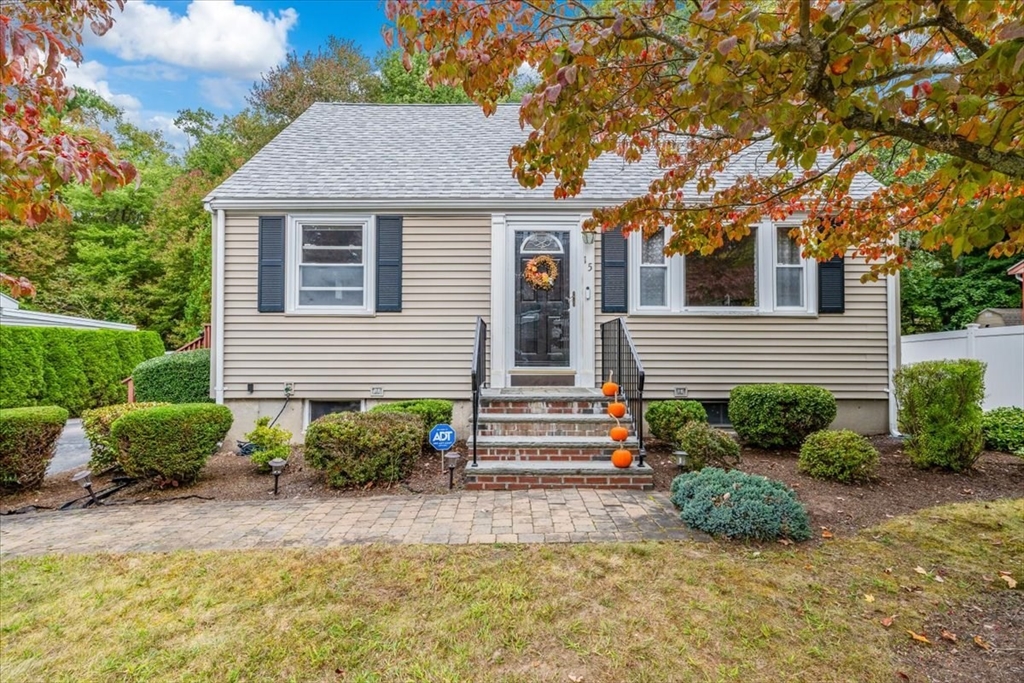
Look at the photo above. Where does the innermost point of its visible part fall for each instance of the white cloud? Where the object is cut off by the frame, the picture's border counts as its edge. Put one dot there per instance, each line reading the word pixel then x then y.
pixel 220 37
pixel 223 93
pixel 91 76
pixel 151 71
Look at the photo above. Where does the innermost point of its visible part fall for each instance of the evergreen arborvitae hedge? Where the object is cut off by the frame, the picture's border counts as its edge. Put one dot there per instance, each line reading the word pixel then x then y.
pixel 73 369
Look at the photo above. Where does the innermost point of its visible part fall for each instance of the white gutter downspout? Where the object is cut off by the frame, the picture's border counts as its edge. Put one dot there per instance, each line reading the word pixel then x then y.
pixel 218 306
pixel 892 307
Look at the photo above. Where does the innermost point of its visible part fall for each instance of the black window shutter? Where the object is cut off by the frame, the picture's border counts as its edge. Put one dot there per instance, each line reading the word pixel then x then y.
pixel 614 280
pixel 270 282
pixel 832 286
pixel 389 264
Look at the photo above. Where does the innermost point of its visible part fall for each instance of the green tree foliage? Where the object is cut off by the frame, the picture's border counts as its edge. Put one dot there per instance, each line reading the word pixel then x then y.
pixel 336 72
pixel 401 85
pixel 939 292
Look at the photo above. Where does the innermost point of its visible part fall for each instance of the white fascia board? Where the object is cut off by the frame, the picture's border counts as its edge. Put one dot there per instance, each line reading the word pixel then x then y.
pixel 487 205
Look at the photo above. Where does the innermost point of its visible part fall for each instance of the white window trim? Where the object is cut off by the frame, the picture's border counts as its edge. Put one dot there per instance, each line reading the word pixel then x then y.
pixel 293 250
pixel 765 264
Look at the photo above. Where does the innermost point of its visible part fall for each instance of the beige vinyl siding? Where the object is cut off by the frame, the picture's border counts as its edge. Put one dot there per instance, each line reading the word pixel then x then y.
pixel 425 350
pixel 709 355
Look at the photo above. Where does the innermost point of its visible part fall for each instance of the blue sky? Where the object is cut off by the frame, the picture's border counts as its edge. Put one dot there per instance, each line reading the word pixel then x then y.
pixel 166 55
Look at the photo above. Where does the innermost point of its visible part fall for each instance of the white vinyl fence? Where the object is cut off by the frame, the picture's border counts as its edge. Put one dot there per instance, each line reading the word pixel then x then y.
pixel 1001 348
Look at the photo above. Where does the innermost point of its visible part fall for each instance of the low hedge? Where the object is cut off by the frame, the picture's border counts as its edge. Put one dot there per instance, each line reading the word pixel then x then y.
pixel 739 505
pixel 360 448
pixel 666 418
pixel 97 423
pixel 175 378
pixel 433 411
pixel 779 415
pixel 705 445
pixel 73 369
pixel 939 409
pixel 28 440
pixel 838 455
pixel 171 442
pixel 1004 430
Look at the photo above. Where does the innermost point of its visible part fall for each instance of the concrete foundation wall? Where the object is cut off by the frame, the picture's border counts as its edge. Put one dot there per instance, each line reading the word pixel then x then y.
pixel 862 416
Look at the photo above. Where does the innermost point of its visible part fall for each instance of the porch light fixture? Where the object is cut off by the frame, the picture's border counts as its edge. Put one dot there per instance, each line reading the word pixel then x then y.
pixel 682 459
pixel 451 458
pixel 84 479
pixel 276 467
pixel 589 236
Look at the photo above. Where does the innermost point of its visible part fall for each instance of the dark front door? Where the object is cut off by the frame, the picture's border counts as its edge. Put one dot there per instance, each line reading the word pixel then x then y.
pixel 542 324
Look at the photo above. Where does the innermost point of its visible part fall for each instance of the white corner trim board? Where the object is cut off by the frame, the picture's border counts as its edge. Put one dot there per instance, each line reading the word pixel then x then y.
pixel 219 226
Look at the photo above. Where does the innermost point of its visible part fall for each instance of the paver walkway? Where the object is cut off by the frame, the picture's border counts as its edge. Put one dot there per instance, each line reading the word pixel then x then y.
pixel 552 516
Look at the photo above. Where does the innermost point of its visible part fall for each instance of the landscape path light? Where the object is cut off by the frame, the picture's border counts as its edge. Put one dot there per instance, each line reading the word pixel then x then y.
pixel 451 458
pixel 682 459
pixel 84 479
pixel 276 467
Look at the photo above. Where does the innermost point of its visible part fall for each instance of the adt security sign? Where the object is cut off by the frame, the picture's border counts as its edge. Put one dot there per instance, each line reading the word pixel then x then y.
pixel 442 437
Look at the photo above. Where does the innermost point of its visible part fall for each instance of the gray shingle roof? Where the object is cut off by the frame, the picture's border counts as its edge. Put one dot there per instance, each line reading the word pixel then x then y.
pixel 430 152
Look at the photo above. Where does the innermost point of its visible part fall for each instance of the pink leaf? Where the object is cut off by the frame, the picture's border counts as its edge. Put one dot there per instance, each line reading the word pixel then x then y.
pixel 552 93
pixel 726 46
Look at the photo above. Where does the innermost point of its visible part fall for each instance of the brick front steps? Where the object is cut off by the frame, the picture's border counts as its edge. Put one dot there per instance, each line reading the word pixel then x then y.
pixel 511 476
pixel 549 438
pixel 548 448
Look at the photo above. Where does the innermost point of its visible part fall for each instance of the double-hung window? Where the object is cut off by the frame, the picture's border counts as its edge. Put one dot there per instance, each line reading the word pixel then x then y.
pixel 332 259
pixel 654 275
pixel 790 271
pixel 760 273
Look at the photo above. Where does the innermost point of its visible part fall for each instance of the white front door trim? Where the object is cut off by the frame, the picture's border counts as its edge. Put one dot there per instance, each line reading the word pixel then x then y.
pixel 582 315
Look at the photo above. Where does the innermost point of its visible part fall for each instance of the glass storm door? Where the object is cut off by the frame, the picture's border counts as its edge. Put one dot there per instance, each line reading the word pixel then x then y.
pixel 542 316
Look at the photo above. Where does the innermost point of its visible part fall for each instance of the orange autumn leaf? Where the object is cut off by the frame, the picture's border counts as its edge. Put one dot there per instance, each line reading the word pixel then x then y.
pixel 841 65
pixel 947 635
pixel 919 637
pixel 887 621
pixel 982 643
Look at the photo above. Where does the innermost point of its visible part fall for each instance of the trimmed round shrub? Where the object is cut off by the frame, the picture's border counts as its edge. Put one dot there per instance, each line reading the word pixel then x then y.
pixel 359 448
pixel 172 442
pixel 174 378
pixel 666 418
pixel 705 445
pixel 97 422
pixel 1004 430
pixel 739 505
pixel 839 455
pixel 433 411
pixel 940 412
pixel 270 442
pixel 28 439
pixel 779 415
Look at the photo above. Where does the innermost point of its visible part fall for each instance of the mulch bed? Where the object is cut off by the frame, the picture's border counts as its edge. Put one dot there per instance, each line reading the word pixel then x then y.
pixel 899 487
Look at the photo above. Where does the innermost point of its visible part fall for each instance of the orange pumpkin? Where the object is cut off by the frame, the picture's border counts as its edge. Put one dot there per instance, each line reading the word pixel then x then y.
pixel 619 434
pixel 609 388
pixel 622 458
pixel 617 410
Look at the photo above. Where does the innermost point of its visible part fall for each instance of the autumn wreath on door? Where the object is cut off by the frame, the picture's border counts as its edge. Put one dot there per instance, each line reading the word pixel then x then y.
pixel 541 272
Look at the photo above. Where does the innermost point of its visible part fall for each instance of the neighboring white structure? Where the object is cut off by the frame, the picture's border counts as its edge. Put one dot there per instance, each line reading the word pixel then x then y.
pixel 1001 348
pixel 11 314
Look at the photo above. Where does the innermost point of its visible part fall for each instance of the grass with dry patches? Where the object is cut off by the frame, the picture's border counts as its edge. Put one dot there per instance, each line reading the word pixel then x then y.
pixel 627 612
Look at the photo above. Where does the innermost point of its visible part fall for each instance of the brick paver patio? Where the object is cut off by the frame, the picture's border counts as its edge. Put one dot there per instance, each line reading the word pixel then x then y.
pixel 540 516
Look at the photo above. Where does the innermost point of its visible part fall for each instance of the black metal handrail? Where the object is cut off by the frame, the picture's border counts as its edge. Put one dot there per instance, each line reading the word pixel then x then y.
pixel 477 375
pixel 620 360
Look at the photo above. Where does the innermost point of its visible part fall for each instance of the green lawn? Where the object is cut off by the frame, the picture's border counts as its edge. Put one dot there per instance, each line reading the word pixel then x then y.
pixel 630 612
